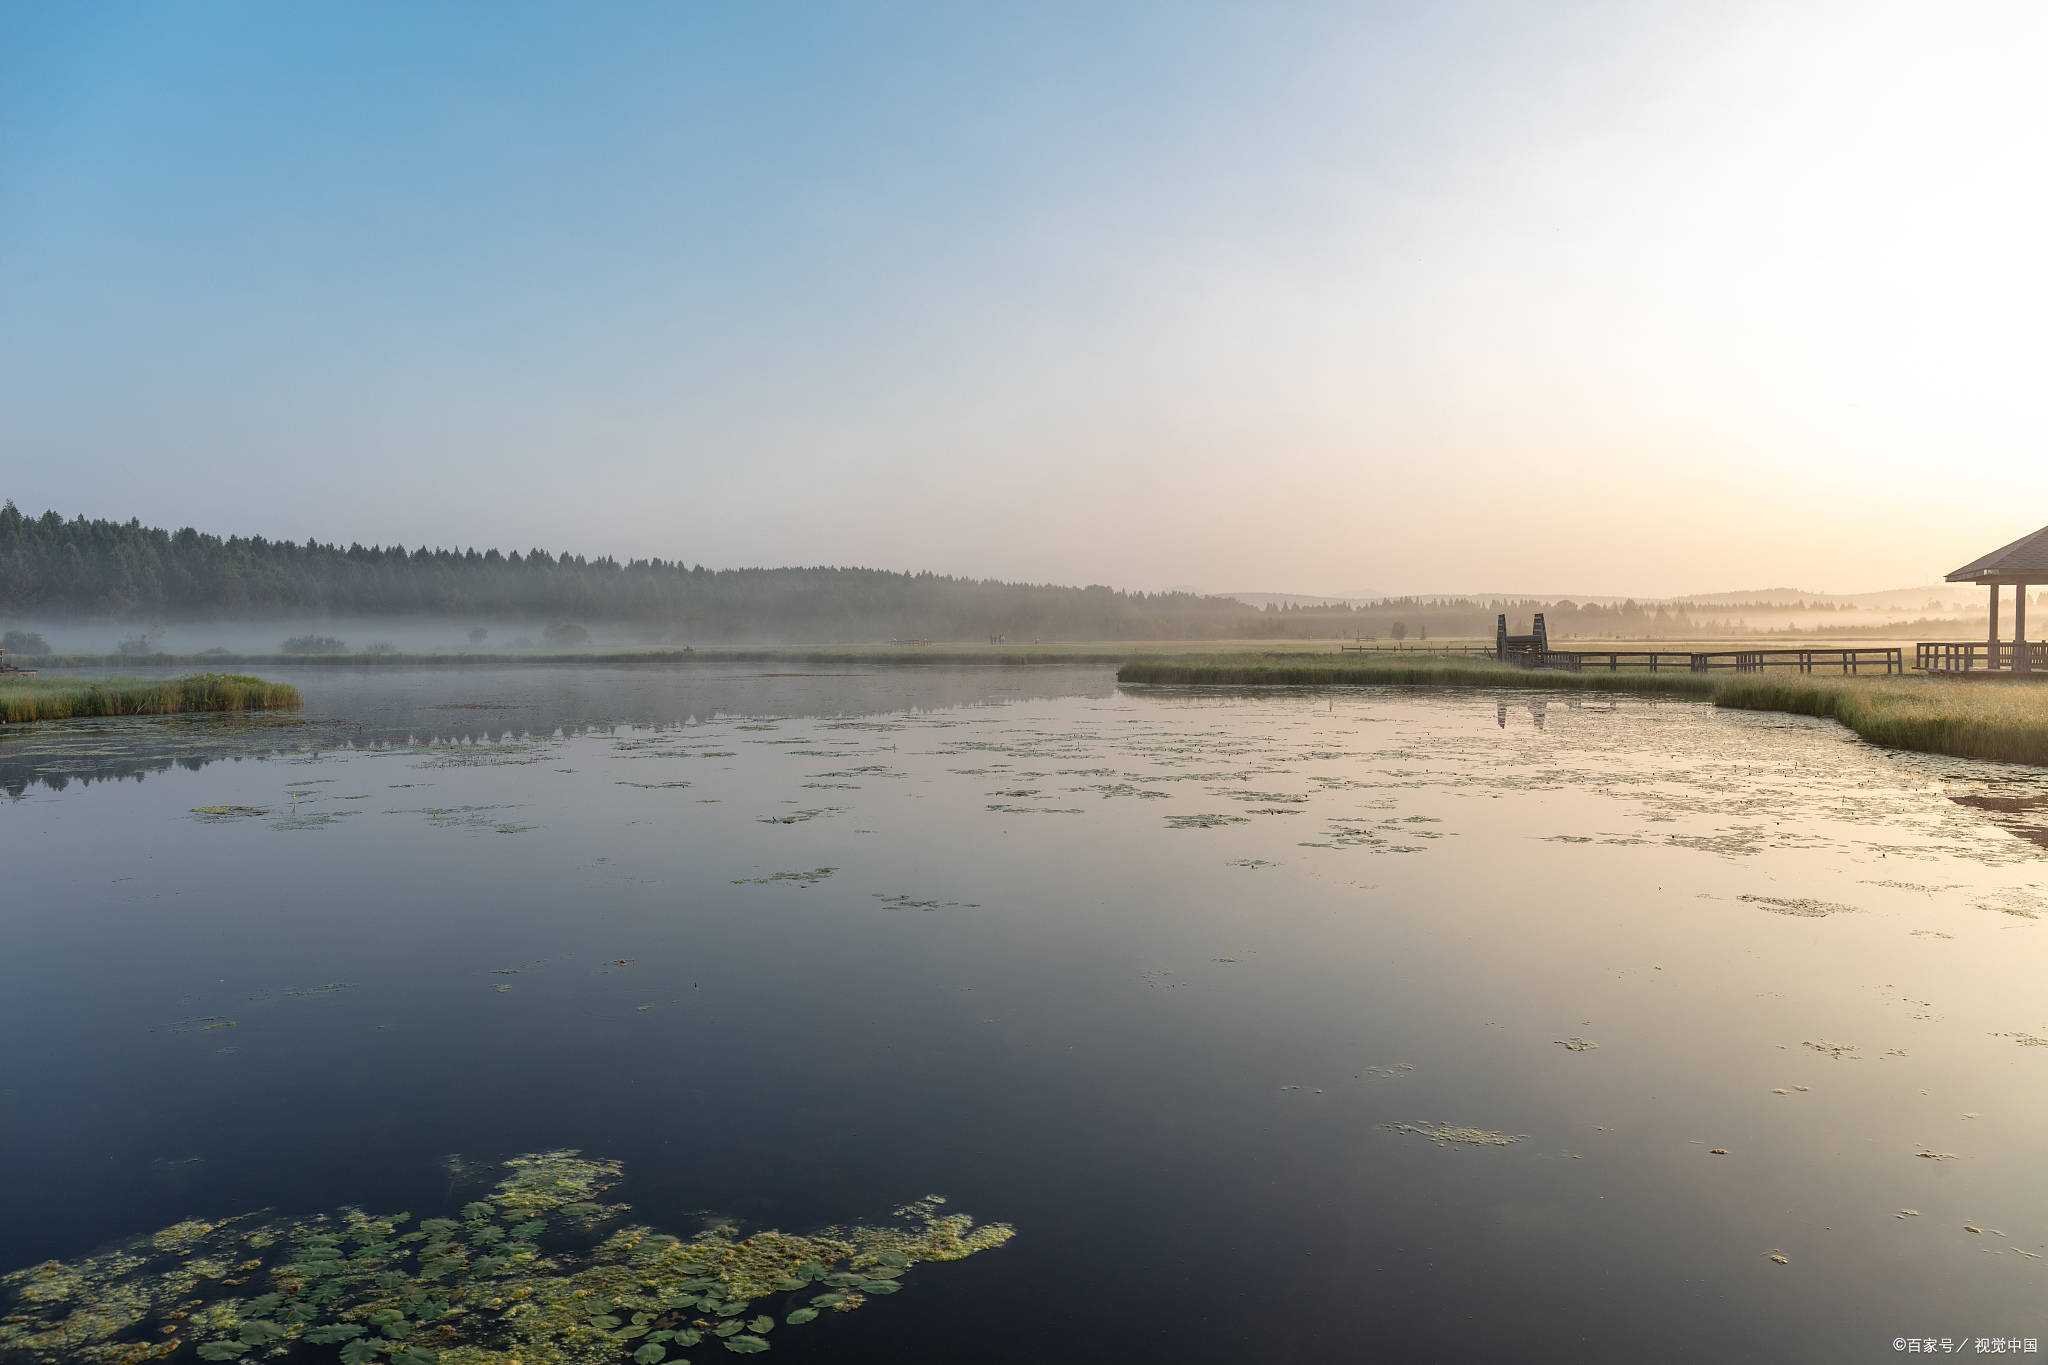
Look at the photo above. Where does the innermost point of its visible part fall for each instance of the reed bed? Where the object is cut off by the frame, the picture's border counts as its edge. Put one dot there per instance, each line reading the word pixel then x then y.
pixel 1392 670
pixel 2005 721
pixel 27 699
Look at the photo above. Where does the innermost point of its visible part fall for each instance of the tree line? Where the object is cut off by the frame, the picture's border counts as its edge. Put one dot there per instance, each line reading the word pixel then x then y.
pixel 53 567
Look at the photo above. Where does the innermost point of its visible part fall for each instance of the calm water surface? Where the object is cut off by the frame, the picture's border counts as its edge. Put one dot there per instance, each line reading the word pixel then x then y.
pixel 1182 984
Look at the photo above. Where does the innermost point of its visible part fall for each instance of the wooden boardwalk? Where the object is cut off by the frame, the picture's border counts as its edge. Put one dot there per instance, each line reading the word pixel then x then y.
pixel 1865 659
pixel 1983 658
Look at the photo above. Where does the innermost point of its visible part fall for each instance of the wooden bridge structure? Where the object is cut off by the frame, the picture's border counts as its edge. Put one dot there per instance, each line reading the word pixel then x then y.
pixel 2021 565
pixel 1533 651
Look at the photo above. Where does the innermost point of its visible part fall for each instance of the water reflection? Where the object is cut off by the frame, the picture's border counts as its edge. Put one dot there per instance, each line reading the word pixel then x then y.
pixel 1282 1026
pixel 352 708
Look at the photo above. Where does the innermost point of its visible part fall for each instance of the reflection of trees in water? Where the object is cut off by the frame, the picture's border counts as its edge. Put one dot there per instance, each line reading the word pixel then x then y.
pixel 456 708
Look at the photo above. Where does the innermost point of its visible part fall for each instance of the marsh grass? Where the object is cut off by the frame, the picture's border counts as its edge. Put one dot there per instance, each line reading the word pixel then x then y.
pixel 1404 670
pixel 27 699
pixel 2005 721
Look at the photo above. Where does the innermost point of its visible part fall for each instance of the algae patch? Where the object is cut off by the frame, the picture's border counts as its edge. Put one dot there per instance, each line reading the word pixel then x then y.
pixel 1447 1135
pixel 1802 906
pixel 543 1271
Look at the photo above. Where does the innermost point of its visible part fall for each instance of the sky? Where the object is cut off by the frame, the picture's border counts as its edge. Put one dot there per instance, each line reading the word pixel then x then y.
pixel 1592 298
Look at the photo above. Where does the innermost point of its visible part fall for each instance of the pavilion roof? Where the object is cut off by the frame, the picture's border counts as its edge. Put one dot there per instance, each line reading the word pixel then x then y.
pixel 2023 561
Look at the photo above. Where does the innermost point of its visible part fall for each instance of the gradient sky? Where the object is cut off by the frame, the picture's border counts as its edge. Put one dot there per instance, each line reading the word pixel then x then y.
pixel 1596 298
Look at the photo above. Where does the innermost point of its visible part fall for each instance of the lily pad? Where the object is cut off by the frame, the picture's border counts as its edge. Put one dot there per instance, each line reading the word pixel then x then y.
pixel 732 1327
pixel 650 1354
pixel 879 1287
pixel 761 1326
pixel 746 1346
pixel 222 1350
pixel 257 1332
pixel 329 1333
pixel 801 1316
pixel 357 1352
pixel 477 1209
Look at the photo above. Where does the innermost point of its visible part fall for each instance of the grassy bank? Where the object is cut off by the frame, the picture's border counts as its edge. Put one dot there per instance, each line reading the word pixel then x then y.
pixel 24 699
pixel 1998 720
pixel 1994 720
pixel 1391 670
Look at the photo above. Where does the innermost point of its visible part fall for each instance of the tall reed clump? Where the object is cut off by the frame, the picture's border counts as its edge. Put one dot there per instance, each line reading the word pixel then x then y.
pixel 25 699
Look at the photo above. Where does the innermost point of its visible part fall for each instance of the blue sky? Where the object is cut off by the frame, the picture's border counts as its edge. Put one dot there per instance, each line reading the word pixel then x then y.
pixel 1305 298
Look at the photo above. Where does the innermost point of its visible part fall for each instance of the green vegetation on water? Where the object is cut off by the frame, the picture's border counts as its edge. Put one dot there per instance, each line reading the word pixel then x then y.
pixel 1980 719
pixel 544 1271
pixel 25 699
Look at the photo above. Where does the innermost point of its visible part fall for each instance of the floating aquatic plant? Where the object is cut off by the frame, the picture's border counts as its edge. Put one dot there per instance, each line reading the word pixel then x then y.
pixel 1444 1134
pixel 1811 909
pixel 810 878
pixel 904 902
pixel 365 1289
pixel 220 815
pixel 1203 821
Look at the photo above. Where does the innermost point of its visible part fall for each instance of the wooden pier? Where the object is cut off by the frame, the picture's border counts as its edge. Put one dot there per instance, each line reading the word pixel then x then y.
pixel 1533 651
pixel 1868 659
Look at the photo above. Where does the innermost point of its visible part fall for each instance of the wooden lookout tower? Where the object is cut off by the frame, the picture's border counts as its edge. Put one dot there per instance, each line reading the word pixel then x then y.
pixel 1529 650
pixel 2020 565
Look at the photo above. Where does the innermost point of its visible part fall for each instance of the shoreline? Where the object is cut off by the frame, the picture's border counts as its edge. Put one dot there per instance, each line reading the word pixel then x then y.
pixel 1912 712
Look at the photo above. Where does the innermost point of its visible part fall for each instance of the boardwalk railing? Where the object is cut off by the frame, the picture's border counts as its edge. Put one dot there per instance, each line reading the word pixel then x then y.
pixel 1979 655
pixel 1868 659
pixel 1864 660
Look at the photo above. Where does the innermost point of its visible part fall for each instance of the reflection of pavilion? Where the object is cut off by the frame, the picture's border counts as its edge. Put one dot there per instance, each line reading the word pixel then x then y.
pixel 2022 564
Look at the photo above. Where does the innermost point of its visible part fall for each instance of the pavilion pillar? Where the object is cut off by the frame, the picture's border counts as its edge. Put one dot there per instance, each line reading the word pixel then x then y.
pixel 1992 662
pixel 2022 657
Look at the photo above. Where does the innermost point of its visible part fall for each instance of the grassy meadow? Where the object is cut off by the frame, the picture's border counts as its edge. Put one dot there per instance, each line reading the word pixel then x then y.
pixel 26 699
pixel 2006 721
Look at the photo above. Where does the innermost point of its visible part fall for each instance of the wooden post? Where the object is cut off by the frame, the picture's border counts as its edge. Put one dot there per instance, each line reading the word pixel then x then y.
pixel 1992 662
pixel 2022 657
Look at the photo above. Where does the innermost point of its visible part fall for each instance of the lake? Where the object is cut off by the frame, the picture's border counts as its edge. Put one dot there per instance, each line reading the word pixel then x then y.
pixel 1279 1026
